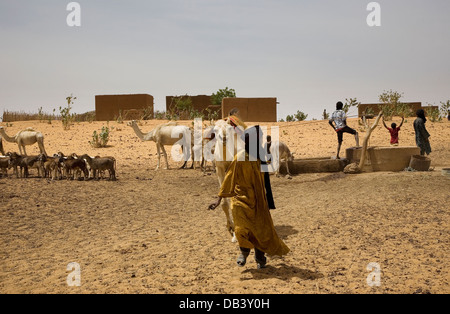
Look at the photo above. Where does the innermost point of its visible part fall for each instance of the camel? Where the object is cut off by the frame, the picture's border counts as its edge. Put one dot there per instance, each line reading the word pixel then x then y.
pixel 162 135
pixel 280 151
pixel 223 156
pixel 24 138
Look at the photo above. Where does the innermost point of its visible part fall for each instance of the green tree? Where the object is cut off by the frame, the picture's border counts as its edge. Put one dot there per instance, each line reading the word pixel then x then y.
pixel 216 98
pixel 391 104
pixel 350 103
pixel 290 118
pixel 300 116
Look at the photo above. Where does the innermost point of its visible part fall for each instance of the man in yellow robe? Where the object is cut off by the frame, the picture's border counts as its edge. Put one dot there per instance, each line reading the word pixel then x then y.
pixel 245 184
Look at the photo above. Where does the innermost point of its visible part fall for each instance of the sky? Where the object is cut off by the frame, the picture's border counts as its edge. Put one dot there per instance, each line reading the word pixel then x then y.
pixel 308 54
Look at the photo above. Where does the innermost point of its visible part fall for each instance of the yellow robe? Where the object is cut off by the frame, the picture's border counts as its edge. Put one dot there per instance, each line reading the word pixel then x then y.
pixel 244 184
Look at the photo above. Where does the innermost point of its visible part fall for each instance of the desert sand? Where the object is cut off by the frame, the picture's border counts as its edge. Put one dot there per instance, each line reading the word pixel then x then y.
pixel 150 232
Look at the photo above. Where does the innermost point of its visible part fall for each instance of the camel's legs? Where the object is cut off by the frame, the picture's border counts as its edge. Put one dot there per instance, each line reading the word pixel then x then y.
pixel 165 156
pixel 287 167
pixel 226 204
pixel 41 147
pixel 159 156
pixel 20 148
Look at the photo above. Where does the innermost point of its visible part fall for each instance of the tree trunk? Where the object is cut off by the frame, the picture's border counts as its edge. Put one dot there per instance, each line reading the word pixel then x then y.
pixel 355 168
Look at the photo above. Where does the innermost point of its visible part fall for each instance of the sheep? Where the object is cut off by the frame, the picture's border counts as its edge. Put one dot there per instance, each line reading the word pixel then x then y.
pixel 52 166
pixel 101 164
pixel 34 162
pixel 17 161
pixel 4 165
pixel 70 165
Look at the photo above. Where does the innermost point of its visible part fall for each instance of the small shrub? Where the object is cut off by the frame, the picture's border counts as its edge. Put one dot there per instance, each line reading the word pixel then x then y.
pixel 290 118
pixel 445 108
pixel 120 117
pixel 101 139
pixel 160 115
pixel 67 118
pixel 434 114
pixel 148 113
pixel 212 115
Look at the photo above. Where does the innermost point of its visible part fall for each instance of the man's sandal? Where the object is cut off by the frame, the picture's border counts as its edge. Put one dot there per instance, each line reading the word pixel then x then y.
pixel 242 260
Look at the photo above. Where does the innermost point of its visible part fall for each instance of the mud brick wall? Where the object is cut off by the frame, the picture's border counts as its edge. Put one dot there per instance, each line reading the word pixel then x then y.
pixel 252 109
pixel 376 108
pixel 200 103
pixel 428 109
pixel 108 107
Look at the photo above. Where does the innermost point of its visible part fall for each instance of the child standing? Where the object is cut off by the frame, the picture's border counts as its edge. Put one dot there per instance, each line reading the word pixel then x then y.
pixel 394 130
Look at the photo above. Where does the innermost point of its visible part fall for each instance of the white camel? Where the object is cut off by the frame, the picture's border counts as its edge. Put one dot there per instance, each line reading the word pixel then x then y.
pixel 223 157
pixel 162 135
pixel 24 138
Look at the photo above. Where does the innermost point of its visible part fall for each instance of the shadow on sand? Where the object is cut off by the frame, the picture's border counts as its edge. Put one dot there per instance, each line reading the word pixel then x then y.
pixel 285 231
pixel 283 272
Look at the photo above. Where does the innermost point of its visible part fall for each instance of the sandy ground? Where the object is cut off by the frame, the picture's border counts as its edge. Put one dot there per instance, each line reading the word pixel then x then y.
pixel 150 232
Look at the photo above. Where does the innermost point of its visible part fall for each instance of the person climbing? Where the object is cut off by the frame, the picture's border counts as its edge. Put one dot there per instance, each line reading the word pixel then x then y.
pixel 339 118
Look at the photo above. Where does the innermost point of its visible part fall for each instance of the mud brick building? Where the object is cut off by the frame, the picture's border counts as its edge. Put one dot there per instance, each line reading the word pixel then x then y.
pixel 109 107
pixel 199 103
pixel 252 109
pixel 375 108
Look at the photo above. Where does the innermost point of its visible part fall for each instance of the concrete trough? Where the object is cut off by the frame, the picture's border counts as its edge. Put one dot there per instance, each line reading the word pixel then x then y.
pixel 394 158
pixel 314 165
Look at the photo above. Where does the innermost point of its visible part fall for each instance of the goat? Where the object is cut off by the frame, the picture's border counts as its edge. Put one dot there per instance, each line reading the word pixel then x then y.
pixel 17 161
pixel 101 164
pixel 70 165
pixel 52 166
pixel 4 165
pixel 31 162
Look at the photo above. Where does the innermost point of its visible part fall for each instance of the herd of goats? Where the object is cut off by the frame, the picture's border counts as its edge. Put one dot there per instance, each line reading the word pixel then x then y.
pixel 55 167
pixel 59 166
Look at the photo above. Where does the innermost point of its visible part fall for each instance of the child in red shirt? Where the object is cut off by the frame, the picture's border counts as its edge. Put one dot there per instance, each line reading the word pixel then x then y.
pixel 394 130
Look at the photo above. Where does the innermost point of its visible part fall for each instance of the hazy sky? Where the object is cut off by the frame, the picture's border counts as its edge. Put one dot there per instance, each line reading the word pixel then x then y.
pixel 308 54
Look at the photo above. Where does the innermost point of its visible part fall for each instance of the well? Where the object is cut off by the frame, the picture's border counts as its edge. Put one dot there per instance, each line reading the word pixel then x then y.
pixel 394 158
pixel 314 165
